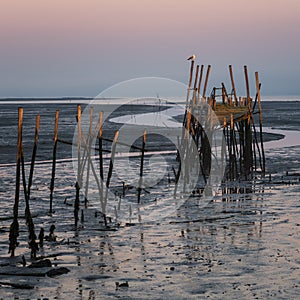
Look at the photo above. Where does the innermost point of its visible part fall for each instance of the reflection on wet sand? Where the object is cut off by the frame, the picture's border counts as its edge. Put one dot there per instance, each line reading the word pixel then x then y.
pixel 242 244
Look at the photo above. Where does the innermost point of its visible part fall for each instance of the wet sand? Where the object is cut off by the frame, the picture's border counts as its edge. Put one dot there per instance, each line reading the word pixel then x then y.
pixel 242 245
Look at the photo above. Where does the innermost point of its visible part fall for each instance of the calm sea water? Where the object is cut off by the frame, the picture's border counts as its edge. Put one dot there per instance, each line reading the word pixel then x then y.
pixel 278 113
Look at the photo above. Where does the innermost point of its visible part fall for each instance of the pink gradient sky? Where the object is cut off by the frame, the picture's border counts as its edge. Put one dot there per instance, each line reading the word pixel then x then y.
pixel 78 48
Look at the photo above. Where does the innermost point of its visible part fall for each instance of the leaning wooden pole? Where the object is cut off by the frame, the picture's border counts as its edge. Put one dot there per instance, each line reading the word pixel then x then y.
pixel 14 227
pixel 140 183
pixel 248 148
pixel 188 92
pixel 233 85
pixel 184 123
pixel 206 81
pixel 100 140
pixel 190 82
pixel 195 88
pixel 54 159
pixel 109 174
pixel 199 83
pixel 100 149
pixel 33 246
pixel 36 139
pixel 255 140
pixel 29 222
pixel 260 123
pixel 79 175
pixel 90 139
pixel 247 88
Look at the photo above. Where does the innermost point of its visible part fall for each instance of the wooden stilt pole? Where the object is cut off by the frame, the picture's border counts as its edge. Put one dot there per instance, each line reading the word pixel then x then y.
pixel 87 151
pixel 199 83
pixel 194 100
pixel 54 159
pixel 206 81
pixel 179 158
pixel 90 139
pixel 231 149
pixel 190 83
pixel 247 88
pixel 14 227
pixel 228 145
pixel 188 132
pixel 79 174
pixel 224 93
pixel 36 139
pixel 233 85
pixel 242 146
pixel 100 137
pixel 29 222
pixel 248 147
pixel 260 122
pixel 110 170
pixel 223 149
pixel 141 168
pixel 255 141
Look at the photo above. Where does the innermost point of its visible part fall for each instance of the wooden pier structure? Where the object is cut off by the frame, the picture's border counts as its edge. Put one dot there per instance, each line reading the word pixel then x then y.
pixel 236 115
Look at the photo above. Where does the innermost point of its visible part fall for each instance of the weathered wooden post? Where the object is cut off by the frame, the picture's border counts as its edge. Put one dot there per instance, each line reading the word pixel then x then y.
pixel 260 122
pixel 248 133
pixel 36 139
pixel 223 148
pixel 29 222
pixel 90 139
pixel 231 149
pixel 100 136
pixel 79 175
pixel 233 85
pixel 199 83
pixel 194 101
pixel 100 148
pixel 110 170
pixel 140 183
pixel 54 159
pixel 14 227
pixel 247 87
pixel 224 94
pixel 206 81
pixel 189 84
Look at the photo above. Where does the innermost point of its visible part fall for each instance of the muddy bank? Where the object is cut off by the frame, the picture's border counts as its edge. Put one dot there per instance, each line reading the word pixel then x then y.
pixel 243 244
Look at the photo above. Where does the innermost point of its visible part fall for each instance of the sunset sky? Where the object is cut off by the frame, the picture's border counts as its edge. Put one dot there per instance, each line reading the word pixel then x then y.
pixel 78 48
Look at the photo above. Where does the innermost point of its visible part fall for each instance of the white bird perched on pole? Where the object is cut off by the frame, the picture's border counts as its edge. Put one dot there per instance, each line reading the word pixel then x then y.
pixel 192 57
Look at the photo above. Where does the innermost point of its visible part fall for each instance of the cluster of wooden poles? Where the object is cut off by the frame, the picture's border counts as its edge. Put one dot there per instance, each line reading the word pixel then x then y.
pixel 20 169
pixel 245 149
pixel 84 163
